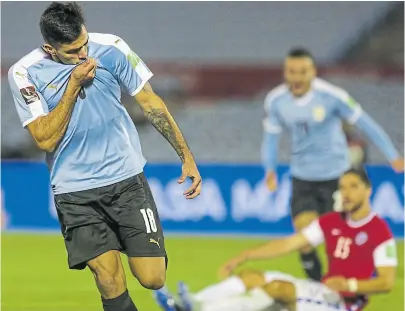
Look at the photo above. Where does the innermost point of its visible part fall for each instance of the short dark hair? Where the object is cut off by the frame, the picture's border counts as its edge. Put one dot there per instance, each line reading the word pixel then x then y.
pixel 61 22
pixel 299 52
pixel 361 173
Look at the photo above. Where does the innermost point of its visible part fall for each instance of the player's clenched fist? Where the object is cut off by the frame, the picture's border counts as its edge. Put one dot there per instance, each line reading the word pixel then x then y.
pixel 271 181
pixel 84 73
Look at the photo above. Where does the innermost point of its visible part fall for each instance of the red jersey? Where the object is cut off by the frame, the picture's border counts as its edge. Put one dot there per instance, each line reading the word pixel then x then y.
pixel 354 248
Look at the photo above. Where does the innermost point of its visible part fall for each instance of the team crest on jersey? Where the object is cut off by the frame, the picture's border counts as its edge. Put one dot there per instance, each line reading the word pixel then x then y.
pixel 318 113
pixel 361 238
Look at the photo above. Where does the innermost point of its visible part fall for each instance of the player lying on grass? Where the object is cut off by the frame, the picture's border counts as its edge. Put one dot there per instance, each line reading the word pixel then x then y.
pixel 361 256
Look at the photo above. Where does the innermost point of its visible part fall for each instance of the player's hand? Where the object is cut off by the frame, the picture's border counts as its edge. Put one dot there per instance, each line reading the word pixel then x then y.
pixel 190 170
pixel 398 165
pixel 84 73
pixel 230 266
pixel 271 181
pixel 337 283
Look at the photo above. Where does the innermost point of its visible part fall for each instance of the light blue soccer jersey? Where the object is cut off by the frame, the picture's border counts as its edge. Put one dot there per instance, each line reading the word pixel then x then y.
pixel 319 149
pixel 101 145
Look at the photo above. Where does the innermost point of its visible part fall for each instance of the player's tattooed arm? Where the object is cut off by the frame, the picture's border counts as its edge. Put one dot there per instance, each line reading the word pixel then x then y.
pixel 157 113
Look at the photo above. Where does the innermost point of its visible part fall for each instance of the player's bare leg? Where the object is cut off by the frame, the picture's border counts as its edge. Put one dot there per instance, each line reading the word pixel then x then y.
pixel 309 257
pixel 150 271
pixel 111 282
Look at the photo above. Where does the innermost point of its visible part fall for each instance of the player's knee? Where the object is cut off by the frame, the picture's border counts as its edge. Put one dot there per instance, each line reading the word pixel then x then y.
pixel 252 278
pixel 150 271
pixel 281 291
pixel 152 281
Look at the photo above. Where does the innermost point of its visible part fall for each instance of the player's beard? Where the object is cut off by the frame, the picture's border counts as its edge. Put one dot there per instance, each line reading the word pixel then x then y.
pixel 356 208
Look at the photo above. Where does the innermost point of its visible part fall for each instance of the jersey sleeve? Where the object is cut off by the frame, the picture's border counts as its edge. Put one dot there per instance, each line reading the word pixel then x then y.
pixel 28 100
pixel 384 254
pixel 314 233
pixel 131 71
pixel 347 107
pixel 271 123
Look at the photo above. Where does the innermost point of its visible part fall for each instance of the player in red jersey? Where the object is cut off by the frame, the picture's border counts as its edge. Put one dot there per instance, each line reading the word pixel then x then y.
pixel 361 254
pixel 360 249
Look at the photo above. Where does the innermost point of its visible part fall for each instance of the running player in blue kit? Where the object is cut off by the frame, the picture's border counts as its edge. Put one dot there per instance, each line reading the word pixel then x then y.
pixel 312 111
pixel 67 94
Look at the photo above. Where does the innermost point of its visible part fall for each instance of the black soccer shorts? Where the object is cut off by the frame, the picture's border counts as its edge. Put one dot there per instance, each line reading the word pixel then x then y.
pixel 314 196
pixel 122 216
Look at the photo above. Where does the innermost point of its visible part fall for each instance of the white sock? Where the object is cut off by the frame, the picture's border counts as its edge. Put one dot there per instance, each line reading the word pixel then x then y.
pixel 232 286
pixel 255 300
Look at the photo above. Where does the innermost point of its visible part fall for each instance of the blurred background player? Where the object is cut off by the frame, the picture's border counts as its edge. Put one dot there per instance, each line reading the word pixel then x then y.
pixel 67 94
pixel 312 110
pixel 361 254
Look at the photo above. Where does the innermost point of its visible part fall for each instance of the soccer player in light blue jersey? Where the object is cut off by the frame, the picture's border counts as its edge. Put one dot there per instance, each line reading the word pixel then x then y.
pixel 68 96
pixel 312 111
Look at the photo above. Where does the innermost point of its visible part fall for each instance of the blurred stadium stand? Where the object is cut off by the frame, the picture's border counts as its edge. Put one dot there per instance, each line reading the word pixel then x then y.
pixel 382 44
pixel 215 61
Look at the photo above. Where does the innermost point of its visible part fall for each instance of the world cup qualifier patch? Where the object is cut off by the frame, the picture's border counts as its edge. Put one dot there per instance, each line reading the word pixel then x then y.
pixel 29 94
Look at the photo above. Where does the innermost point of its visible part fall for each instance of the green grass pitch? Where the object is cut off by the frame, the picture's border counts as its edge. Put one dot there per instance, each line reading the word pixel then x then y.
pixel 35 274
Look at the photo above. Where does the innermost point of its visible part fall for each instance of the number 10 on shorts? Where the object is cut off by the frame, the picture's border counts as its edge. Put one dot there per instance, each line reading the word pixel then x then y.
pixel 149 219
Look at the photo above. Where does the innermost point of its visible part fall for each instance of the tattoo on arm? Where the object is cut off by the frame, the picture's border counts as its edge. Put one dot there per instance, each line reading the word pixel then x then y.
pixel 165 124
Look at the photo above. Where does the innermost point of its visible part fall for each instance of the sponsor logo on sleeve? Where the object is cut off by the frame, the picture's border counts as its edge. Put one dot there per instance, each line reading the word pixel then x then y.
pixel 391 251
pixel 29 95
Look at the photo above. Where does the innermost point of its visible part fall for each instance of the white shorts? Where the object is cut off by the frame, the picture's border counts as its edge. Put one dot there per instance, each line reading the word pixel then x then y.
pixel 311 296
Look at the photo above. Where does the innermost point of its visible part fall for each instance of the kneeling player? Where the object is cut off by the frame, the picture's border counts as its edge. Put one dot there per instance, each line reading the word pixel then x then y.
pixel 360 249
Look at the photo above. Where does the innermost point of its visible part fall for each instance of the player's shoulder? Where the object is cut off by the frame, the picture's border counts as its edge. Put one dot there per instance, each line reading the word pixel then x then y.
pixel 19 70
pixel 275 94
pixel 109 41
pixel 377 221
pixel 329 89
pixel 331 218
pixel 378 230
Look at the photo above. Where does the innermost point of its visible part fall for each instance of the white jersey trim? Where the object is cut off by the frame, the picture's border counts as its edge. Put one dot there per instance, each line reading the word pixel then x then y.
pixel 145 79
pixel 322 85
pixel 109 39
pixel 120 44
pixel 384 254
pixel 357 112
pixel 273 94
pixel 19 73
pixel 314 234
pixel 20 68
pixel 25 123
pixel 268 102
pixel 271 128
pixel 360 223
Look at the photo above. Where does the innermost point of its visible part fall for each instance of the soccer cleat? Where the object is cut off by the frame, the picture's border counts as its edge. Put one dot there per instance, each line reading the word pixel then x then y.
pixel 164 299
pixel 185 297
